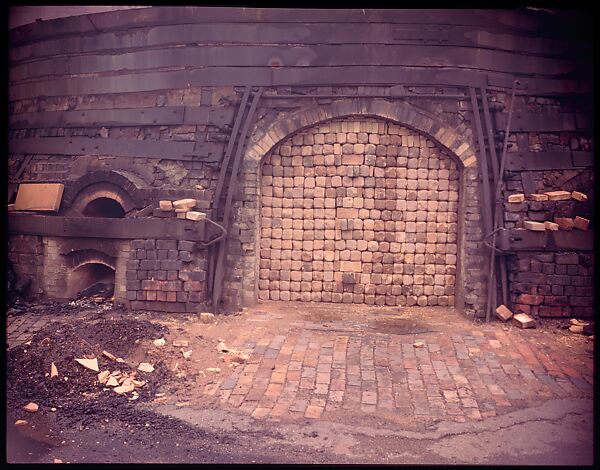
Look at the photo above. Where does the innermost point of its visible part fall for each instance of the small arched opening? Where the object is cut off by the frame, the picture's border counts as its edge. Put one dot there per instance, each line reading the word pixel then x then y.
pixel 104 207
pixel 92 279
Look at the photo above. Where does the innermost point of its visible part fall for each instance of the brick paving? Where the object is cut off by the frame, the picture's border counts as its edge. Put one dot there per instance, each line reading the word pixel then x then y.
pixel 472 372
pixel 304 367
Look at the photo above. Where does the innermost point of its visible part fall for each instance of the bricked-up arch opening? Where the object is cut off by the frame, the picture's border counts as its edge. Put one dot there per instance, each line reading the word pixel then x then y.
pixel 359 210
pixel 104 207
pixel 91 278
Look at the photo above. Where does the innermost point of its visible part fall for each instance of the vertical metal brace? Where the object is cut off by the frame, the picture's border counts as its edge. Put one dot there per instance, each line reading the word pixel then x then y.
pixel 219 268
pixel 497 207
pixel 486 190
pixel 497 193
pixel 216 202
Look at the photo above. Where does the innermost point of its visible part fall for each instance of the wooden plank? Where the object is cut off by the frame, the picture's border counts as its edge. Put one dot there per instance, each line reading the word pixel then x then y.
pixel 308 56
pixel 523 121
pixel 526 240
pixel 268 76
pixel 585 159
pixel 112 147
pixel 164 116
pixel 138 18
pixel 100 227
pixel 298 33
pixel 99 117
pixel 520 161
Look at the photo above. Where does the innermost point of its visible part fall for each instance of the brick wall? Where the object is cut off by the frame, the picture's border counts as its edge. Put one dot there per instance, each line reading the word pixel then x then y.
pixel 165 275
pixel 553 284
pixel 26 255
pixel 359 211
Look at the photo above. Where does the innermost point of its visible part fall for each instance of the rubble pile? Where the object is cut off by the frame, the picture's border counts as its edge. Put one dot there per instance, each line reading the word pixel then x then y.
pixel 71 368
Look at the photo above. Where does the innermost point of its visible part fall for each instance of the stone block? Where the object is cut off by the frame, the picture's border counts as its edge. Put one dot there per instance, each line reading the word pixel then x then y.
pixel 550 225
pixel 351 266
pixel 538 197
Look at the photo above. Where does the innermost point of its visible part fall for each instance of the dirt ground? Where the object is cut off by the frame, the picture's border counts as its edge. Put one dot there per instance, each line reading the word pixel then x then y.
pixel 125 427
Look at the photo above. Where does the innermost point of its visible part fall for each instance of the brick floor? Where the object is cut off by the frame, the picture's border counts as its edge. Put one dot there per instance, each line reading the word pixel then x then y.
pixel 478 371
pixel 303 369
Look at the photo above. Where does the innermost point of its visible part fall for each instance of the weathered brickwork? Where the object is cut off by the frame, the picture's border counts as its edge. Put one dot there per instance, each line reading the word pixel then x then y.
pixel 165 275
pixel 553 284
pixel 359 211
pixel 25 254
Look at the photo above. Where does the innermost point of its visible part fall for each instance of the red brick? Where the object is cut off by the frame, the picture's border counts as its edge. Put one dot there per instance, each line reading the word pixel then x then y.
pixel 545 311
pixel 530 299
pixel 171 296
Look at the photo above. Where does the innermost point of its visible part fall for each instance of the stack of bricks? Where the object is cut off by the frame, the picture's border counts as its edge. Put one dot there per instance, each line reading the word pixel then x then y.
pixel 162 274
pixel 549 284
pixel 359 211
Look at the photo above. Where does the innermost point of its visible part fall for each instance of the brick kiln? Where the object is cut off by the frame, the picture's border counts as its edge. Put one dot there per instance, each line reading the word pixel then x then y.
pixel 206 157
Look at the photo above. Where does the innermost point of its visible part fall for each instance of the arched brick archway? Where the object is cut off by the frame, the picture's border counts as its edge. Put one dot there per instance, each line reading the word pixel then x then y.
pixel 268 135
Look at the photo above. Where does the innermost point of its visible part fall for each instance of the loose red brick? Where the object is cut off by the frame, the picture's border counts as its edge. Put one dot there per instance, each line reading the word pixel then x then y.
pixel 581 223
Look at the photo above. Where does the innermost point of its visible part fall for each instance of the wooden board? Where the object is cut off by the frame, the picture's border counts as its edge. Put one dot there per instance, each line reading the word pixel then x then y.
pixel 77 25
pixel 100 227
pixel 307 56
pixel 530 122
pixel 163 116
pixel 39 197
pixel 526 240
pixel 307 33
pixel 284 76
pixel 85 146
pixel 521 161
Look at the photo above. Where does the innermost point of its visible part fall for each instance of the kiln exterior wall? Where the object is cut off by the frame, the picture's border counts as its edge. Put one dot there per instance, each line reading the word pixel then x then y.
pixel 146 99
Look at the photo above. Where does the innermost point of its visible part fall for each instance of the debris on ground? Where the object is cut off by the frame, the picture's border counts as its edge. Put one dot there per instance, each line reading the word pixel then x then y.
pixel 181 343
pixel 206 317
pixel 31 407
pixel 418 344
pixel 91 364
pixel 20 422
pixel 186 354
pixel 53 371
pixel 581 327
pixel 159 342
pixel 146 367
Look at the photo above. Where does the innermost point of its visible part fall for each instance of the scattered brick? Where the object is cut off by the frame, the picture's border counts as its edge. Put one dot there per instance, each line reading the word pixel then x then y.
pixel 522 320
pixel 165 205
pixel 535 226
pixel 516 198
pixel 504 313
pixel 558 195
pixel 581 223
pixel 579 196
pixel 564 223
